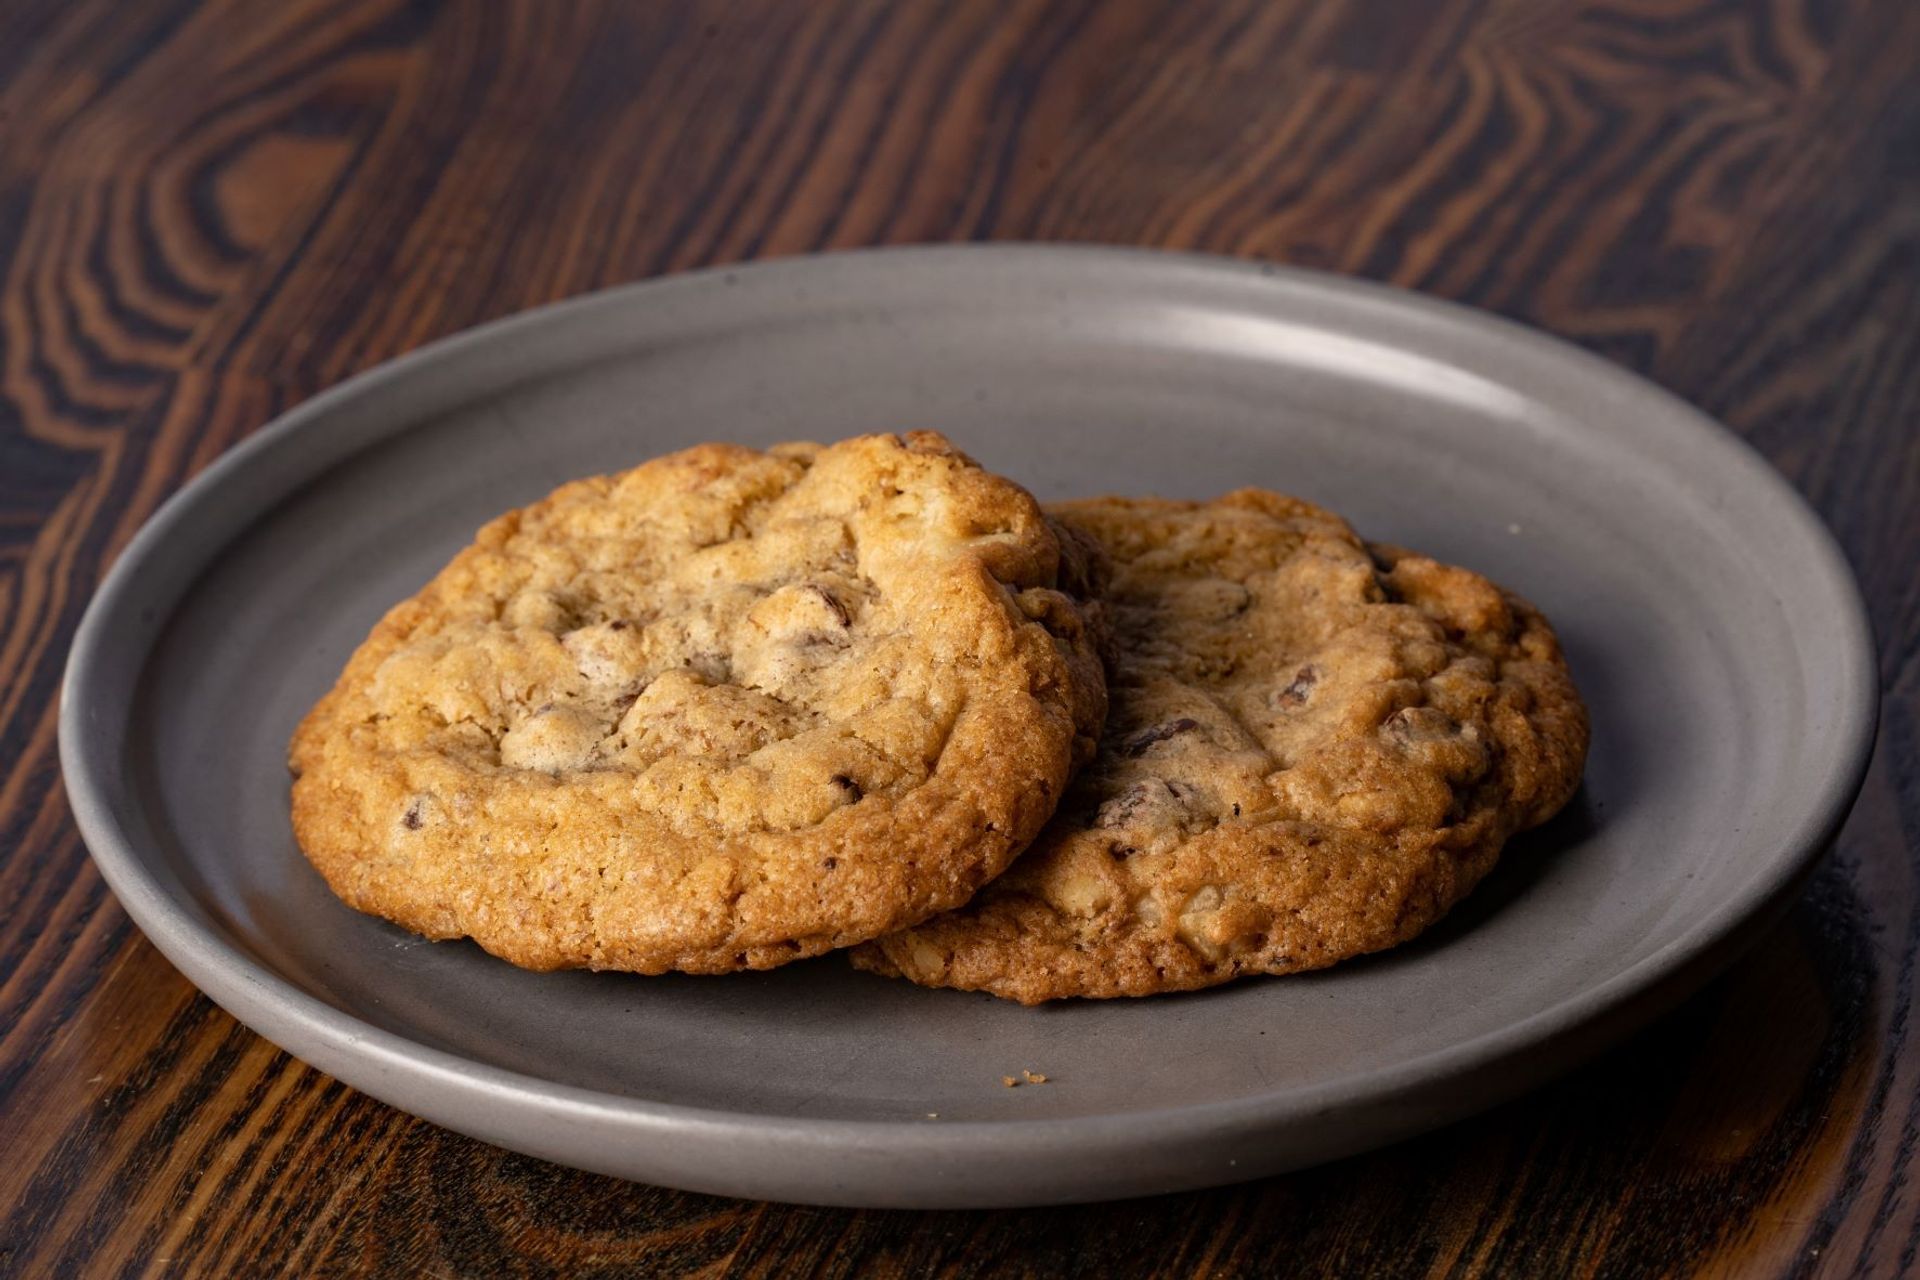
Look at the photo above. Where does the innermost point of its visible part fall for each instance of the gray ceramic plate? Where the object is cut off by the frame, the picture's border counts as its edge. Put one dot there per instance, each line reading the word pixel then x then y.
pixel 1713 626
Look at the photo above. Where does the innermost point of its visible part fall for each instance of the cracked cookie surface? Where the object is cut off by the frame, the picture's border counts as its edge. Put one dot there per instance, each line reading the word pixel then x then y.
pixel 722 711
pixel 1315 748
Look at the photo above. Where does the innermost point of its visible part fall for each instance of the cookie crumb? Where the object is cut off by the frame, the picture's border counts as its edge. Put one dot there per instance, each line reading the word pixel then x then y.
pixel 933 1115
pixel 1010 1082
pixel 1513 528
pixel 1034 1077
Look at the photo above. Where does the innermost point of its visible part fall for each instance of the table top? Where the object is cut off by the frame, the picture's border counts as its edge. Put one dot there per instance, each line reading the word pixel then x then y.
pixel 211 211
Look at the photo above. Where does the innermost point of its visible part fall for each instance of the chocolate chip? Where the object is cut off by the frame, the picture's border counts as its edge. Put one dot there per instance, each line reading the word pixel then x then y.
pixel 411 819
pixel 848 785
pixel 827 639
pixel 833 602
pixel 618 624
pixel 834 631
pixel 831 863
pixel 1409 724
pixel 1119 811
pixel 1138 743
pixel 1139 798
pixel 1295 694
pixel 1236 810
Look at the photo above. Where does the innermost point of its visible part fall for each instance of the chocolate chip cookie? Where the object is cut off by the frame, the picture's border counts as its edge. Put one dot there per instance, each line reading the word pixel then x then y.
pixel 1315 748
pixel 719 712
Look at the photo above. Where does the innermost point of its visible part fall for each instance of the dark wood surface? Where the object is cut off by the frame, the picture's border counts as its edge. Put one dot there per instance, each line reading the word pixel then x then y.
pixel 210 209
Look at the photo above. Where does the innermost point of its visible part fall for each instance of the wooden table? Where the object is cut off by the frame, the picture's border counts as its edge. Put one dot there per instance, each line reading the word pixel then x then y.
pixel 210 209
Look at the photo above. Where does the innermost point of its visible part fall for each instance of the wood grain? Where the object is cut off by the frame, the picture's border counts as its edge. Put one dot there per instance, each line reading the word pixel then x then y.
pixel 211 208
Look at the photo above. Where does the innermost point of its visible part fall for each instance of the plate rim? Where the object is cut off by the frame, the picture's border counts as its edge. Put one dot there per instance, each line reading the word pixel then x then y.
pixel 311 1028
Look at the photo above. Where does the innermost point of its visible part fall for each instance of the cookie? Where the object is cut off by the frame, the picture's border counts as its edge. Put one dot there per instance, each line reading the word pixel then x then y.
pixel 719 712
pixel 1315 748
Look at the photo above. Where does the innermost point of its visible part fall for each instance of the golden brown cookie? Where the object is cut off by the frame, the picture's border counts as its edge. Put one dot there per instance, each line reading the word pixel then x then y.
pixel 1314 749
pixel 722 711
